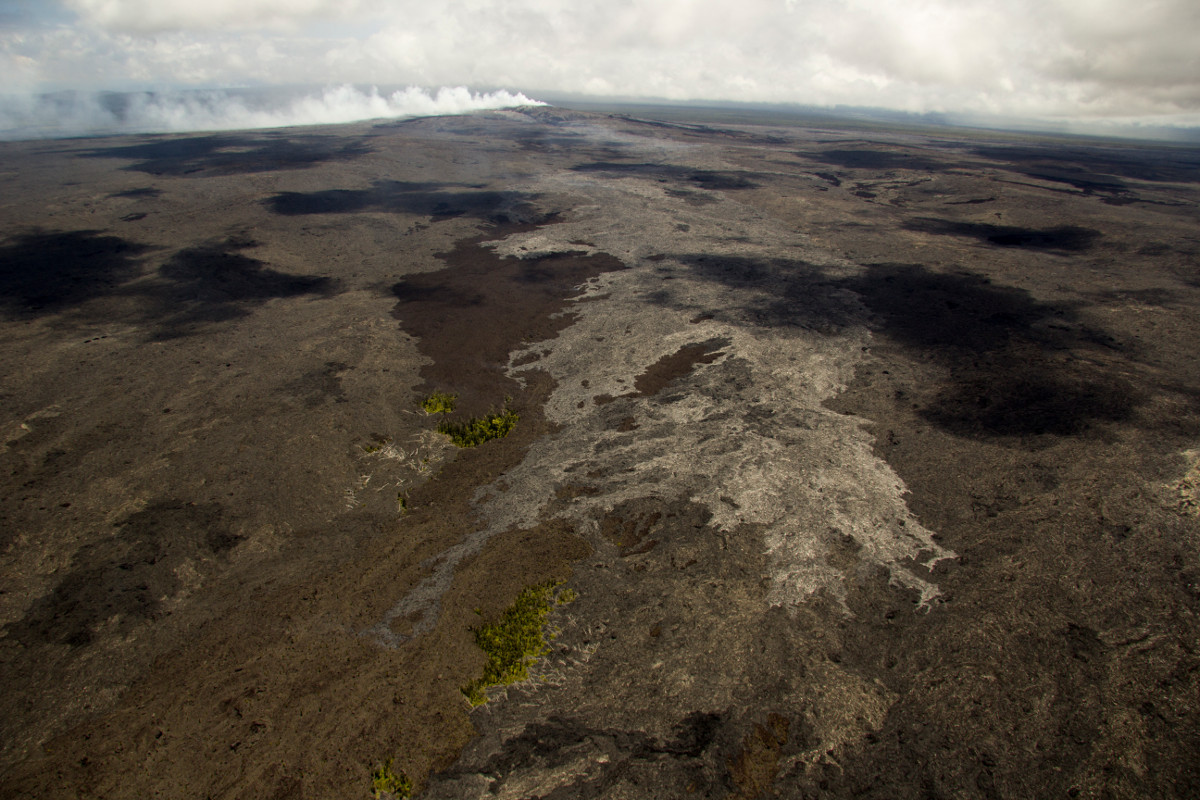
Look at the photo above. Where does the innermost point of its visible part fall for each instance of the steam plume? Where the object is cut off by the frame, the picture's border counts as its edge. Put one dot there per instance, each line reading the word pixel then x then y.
pixel 86 114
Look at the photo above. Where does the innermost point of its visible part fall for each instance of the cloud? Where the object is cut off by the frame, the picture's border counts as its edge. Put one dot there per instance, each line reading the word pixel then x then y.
pixel 89 113
pixel 1062 58
pixel 150 16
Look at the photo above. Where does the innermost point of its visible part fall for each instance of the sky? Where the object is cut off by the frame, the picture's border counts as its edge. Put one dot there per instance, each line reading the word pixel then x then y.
pixel 1074 60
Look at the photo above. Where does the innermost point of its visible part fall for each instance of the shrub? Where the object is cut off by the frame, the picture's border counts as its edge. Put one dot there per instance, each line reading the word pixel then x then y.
pixel 439 403
pixel 386 783
pixel 515 641
pixel 478 430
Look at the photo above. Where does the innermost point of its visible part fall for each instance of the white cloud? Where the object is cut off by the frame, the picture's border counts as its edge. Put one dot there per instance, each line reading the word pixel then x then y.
pixel 1086 58
pixel 144 16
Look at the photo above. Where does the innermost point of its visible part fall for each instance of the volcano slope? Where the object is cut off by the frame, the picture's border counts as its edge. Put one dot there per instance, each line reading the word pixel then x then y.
pixel 870 455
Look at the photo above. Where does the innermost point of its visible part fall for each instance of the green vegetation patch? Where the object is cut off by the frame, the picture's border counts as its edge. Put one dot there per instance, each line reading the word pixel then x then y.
pixel 387 783
pixel 478 430
pixel 439 403
pixel 513 642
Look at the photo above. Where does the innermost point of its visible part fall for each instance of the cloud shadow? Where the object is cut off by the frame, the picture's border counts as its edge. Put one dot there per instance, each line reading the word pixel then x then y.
pixel 126 577
pixel 232 154
pixel 715 180
pixel 94 276
pixel 1098 169
pixel 1013 365
pixel 436 200
pixel 1013 362
pixel 879 160
pixel 1064 238
pixel 216 282
pixel 46 273
pixel 775 293
pixel 147 192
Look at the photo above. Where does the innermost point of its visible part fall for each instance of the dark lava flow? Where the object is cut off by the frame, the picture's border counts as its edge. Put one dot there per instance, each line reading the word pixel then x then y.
pixel 469 316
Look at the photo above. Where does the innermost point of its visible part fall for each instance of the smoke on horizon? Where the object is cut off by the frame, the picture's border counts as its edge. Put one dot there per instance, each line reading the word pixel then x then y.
pixel 69 114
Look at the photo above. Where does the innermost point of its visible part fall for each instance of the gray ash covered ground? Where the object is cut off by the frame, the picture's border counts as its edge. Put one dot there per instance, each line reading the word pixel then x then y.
pixel 871 454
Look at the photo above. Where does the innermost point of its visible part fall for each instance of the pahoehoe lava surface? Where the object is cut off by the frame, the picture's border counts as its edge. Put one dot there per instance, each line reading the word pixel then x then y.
pixel 871 455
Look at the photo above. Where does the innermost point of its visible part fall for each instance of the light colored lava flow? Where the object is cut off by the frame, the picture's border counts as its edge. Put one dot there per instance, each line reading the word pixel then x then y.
pixel 747 436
